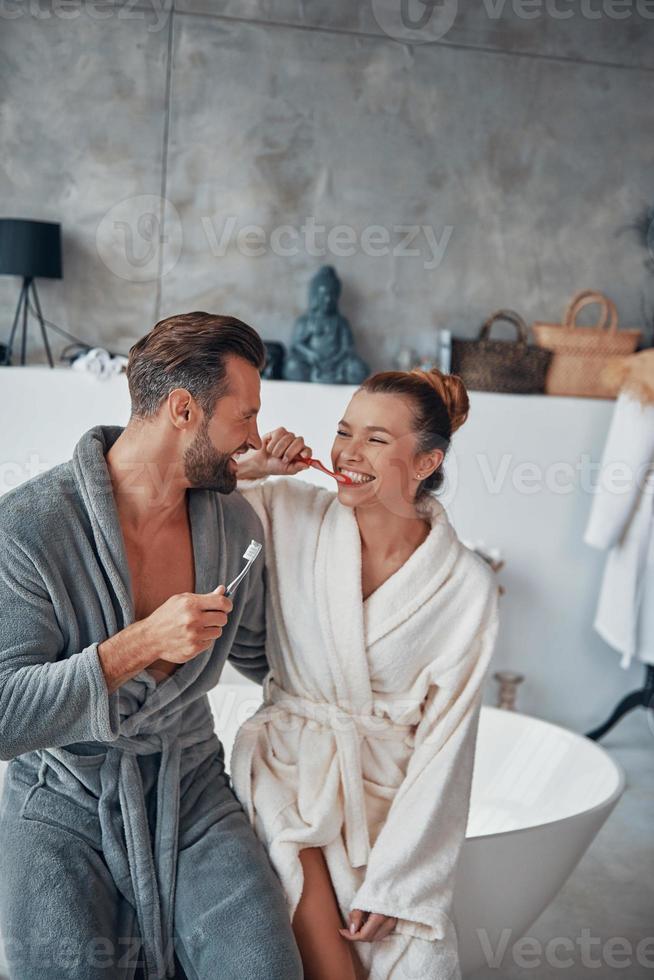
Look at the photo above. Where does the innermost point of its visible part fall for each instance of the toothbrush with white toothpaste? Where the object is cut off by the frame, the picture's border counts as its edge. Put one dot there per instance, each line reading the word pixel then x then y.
pixel 251 553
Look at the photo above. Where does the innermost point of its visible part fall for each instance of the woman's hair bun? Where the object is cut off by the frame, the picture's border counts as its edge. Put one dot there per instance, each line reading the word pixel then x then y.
pixel 452 391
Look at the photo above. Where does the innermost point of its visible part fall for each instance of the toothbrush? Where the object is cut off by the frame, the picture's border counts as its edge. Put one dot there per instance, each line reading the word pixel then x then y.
pixel 251 552
pixel 340 477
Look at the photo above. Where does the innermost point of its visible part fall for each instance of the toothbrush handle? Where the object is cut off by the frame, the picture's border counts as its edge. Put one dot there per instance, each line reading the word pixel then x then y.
pixel 233 586
pixel 319 466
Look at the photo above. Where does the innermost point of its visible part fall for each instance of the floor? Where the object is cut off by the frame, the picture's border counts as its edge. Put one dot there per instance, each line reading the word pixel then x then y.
pixel 610 894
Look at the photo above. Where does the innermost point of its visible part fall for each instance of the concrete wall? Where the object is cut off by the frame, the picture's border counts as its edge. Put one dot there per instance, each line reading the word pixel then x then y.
pixel 516 144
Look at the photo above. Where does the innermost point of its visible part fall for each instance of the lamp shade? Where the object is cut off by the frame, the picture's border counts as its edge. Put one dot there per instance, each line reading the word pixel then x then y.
pixel 31 249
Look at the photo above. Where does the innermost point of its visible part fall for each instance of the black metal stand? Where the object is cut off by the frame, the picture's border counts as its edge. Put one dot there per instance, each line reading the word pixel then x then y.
pixel 21 312
pixel 643 697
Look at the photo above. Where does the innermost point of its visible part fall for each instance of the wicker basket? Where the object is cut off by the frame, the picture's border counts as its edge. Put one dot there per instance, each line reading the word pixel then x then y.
pixel 508 366
pixel 582 353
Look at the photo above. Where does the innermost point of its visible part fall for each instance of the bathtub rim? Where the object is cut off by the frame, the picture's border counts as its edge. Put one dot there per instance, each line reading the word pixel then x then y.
pixel 608 804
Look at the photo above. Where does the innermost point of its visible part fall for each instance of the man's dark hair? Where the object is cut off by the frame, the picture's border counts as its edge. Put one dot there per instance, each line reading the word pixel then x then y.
pixel 189 351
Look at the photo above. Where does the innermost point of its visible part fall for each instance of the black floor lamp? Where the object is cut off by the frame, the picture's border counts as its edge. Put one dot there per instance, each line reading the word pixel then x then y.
pixel 31 249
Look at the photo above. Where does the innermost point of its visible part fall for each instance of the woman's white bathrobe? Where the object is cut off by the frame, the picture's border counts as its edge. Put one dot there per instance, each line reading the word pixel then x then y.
pixel 364 744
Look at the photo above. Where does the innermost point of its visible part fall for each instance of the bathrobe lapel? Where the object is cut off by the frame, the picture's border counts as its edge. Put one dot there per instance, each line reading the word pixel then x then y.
pixel 339 606
pixel 416 581
pixel 96 489
pixel 349 626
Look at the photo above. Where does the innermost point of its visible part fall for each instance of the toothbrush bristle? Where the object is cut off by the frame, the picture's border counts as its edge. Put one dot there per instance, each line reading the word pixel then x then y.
pixel 252 550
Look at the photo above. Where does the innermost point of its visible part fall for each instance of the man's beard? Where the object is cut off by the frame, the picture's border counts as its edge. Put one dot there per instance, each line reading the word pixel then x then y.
pixel 206 468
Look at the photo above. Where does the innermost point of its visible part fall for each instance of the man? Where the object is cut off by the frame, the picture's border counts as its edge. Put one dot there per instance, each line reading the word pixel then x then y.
pixel 118 825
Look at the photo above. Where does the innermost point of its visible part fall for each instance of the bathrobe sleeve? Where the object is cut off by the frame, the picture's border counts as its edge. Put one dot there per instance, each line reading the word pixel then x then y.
pixel 45 701
pixel 267 492
pixel 412 865
pixel 248 653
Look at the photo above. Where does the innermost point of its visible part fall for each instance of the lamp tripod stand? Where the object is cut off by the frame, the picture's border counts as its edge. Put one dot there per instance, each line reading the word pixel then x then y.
pixel 32 250
pixel 22 309
pixel 642 697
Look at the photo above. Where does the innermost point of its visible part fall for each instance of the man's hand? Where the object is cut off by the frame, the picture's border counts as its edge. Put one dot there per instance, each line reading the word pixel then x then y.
pixel 185 625
pixel 370 926
pixel 181 628
pixel 275 458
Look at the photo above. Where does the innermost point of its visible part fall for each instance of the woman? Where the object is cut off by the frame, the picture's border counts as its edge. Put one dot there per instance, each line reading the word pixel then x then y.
pixel 356 770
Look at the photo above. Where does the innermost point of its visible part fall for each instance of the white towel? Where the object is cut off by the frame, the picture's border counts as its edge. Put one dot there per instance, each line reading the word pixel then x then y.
pixel 621 522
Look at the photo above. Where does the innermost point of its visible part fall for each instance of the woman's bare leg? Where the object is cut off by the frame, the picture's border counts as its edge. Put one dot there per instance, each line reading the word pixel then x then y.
pixel 317 919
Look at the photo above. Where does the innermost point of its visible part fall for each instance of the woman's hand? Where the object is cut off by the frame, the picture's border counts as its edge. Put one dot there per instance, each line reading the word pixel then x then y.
pixel 275 457
pixel 370 926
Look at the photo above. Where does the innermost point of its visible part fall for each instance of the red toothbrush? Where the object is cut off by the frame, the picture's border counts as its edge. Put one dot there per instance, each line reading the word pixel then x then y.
pixel 319 466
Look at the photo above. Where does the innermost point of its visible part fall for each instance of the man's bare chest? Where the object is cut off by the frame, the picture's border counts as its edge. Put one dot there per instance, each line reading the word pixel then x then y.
pixel 160 569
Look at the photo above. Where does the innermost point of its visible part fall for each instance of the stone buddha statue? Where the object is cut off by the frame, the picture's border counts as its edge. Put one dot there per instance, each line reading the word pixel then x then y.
pixel 322 347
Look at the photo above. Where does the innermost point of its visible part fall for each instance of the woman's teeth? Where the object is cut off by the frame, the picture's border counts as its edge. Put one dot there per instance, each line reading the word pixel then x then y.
pixel 356 477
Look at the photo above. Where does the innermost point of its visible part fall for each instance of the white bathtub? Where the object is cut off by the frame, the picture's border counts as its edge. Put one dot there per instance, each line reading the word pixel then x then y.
pixel 540 793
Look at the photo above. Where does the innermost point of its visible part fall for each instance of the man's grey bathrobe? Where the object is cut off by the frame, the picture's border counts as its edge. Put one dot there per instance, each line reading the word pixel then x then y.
pixel 89 758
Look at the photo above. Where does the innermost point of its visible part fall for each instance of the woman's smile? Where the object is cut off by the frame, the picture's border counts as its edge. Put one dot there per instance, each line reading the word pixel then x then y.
pixel 357 476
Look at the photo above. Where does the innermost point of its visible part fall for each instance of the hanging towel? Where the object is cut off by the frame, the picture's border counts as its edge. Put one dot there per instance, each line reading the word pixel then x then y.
pixel 621 518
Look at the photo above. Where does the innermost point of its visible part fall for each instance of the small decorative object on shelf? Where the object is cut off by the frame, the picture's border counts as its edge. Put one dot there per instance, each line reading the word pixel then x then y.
pixel 99 362
pixel 274 360
pixel 445 350
pixel 322 348
pixel 633 374
pixel 644 228
pixel 508 682
pixel 405 359
pixel 581 354
pixel 512 367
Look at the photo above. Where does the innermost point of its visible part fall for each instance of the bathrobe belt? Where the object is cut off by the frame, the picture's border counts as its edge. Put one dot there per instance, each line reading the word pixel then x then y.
pixel 145 877
pixel 347 728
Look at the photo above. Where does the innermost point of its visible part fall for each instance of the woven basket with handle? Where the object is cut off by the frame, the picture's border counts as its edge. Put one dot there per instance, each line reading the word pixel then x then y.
pixel 509 366
pixel 580 354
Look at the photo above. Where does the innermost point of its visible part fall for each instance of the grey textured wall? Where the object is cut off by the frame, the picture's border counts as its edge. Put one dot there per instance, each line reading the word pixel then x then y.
pixel 516 146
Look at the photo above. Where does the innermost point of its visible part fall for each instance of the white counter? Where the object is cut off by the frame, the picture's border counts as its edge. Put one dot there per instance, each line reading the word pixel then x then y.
pixel 519 478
